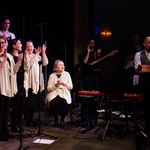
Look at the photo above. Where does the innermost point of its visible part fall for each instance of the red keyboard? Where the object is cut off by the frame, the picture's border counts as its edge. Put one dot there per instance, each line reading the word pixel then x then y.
pixel 92 93
pixel 97 93
pixel 138 96
pixel 129 96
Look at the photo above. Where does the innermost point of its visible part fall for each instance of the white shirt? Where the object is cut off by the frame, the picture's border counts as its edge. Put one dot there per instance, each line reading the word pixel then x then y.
pixel 12 35
pixel 137 58
pixel 33 77
pixel 8 84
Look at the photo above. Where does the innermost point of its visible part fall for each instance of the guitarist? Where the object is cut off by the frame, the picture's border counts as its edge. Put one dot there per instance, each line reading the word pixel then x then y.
pixel 89 55
pixel 87 71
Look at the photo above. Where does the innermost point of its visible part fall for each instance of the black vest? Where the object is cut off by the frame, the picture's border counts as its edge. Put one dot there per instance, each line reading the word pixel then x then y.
pixel 144 59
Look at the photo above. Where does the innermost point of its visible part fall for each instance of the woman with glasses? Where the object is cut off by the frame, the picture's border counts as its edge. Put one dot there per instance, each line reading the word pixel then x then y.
pixel 8 87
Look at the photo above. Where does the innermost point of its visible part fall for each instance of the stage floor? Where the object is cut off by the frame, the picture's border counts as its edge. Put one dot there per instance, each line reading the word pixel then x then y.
pixel 47 137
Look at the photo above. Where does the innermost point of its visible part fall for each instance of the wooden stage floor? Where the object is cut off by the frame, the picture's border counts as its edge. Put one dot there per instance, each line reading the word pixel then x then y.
pixel 70 137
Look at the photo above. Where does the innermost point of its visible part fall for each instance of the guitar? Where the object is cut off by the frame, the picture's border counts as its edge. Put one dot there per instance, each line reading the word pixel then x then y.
pixel 102 58
pixel 82 70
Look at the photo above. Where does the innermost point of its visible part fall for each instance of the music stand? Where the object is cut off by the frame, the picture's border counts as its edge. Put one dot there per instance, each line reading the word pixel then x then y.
pixel 110 86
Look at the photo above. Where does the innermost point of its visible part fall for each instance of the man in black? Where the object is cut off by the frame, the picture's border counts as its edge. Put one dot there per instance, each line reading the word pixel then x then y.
pixel 90 71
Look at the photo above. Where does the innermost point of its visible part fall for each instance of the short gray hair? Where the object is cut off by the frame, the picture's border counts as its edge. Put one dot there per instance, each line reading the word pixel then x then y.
pixel 55 64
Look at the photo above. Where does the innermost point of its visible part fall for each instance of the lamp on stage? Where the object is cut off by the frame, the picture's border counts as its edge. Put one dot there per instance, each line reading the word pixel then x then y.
pixel 105 33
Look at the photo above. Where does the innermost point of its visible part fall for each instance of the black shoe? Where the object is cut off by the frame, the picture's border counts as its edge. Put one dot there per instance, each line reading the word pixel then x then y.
pixel 56 124
pixel 62 124
pixel 3 137
pixel 15 129
pixel 31 124
pixel 28 124
pixel 9 135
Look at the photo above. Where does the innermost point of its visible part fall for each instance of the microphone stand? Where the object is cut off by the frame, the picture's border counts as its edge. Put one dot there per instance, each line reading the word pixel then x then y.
pixel 26 25
pixel 22 95
pixel 22 106
pixel 22 92
pixel 39 132
pixel 40 99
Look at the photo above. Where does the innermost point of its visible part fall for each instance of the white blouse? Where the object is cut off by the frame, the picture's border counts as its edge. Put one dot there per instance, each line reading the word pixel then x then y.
pixel 12 35
pixel 34 78
pixel 62 90
pixel 8 84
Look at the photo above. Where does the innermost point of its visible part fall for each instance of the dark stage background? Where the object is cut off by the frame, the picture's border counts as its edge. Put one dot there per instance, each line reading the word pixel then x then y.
pixel 67 25
pixel 44 21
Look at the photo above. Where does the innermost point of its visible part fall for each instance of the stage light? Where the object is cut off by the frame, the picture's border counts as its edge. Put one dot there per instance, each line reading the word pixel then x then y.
pixel 105 33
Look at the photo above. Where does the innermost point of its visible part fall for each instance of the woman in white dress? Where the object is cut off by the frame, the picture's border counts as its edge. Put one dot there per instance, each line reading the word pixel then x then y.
pixel 59 93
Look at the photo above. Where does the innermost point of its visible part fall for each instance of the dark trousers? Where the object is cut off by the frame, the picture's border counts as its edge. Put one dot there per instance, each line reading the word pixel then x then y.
pixel 4 113
pixel 31 104
pixel 17 104
pixel 58 106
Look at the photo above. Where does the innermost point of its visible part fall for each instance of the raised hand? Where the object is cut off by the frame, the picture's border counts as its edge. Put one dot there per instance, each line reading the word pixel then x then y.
pixel 38 50
pixel 43 48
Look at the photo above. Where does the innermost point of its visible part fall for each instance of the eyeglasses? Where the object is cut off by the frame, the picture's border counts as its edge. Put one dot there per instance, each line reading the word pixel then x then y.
pixel 2 43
